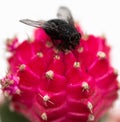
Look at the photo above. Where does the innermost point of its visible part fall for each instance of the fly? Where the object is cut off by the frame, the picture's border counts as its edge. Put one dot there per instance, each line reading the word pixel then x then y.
pixel 62 30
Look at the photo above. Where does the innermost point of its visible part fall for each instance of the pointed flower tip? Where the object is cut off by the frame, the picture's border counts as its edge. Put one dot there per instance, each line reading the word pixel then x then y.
pixel 12 44
pixel 101 55
pixel 22 67
pixel 44 116
pixel 49 74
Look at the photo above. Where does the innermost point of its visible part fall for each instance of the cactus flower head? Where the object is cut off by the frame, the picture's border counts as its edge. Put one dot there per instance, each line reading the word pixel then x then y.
pixel 46 84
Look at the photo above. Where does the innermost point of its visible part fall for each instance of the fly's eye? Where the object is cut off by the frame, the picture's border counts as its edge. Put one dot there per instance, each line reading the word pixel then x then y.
pixel 76 37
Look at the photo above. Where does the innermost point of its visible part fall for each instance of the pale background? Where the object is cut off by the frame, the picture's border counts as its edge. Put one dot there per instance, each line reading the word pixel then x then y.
pixel 95 16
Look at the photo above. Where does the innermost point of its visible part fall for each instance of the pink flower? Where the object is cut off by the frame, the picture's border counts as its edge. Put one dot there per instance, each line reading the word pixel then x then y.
pixel 46 84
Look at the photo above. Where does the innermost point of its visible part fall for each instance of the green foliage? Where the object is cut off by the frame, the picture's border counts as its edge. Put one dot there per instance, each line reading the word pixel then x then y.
pixel 7 116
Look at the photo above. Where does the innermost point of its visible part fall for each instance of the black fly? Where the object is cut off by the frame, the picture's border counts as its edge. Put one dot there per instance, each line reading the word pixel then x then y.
pixel 62 31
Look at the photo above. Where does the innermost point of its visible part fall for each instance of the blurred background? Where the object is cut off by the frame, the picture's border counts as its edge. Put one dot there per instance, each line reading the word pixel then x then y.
pixel 95 16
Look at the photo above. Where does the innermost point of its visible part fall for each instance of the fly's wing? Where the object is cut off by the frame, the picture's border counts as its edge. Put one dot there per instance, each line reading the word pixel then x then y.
pixel 47 25
pixel 65 14
pixel 33 23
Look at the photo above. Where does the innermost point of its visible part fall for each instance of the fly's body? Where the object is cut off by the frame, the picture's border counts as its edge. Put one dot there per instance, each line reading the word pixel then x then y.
pixel 62 31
